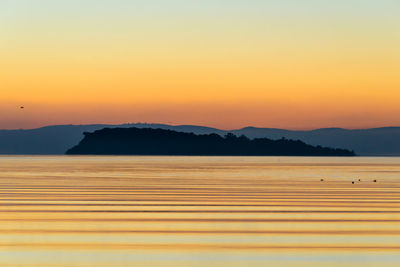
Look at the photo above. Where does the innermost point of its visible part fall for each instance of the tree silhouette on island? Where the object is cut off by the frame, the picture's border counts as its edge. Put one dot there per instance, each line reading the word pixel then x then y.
pixel 147 141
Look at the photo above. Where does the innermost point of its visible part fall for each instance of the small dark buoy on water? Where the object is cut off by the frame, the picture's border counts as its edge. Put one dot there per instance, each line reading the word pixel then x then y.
pixel 352 182
pixel 21 107
pixel 359 180
pixel 322 180
pixel 374 181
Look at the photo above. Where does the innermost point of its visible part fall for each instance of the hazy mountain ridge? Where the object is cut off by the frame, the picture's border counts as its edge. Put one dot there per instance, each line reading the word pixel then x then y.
pixel 57 139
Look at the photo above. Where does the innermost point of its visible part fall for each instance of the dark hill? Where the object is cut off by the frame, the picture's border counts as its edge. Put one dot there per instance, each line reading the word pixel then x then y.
pixel 56 139
pixel 147 141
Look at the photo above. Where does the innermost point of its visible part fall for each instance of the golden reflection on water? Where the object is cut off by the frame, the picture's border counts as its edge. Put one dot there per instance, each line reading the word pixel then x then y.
pixel 199 211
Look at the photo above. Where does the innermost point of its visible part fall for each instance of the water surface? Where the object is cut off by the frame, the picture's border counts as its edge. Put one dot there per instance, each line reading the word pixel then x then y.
pixel 199 211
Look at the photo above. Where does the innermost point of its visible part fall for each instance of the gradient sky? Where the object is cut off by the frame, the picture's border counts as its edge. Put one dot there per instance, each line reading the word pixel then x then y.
pixel 223 63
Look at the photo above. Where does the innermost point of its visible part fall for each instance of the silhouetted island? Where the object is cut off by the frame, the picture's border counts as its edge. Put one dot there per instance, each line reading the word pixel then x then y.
pixel 147 141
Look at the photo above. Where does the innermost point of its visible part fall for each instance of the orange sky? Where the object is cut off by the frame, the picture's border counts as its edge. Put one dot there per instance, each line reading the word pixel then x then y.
pixel 220 63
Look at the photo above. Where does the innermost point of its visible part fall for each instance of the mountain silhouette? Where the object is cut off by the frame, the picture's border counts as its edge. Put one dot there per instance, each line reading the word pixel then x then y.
pixel 57 139
pixel 148 141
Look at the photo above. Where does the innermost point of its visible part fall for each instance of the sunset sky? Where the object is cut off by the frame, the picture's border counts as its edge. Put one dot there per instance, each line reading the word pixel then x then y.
pixel 222 63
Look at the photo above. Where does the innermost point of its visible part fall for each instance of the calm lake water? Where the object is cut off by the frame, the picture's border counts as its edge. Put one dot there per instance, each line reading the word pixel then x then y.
pixel 199 211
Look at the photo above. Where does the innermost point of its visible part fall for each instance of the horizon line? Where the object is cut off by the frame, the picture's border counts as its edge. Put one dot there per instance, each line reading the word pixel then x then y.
pixel 194 125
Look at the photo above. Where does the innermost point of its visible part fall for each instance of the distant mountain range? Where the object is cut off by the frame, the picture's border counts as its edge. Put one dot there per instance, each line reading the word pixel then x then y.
pixel 59 138
pixel 148 141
